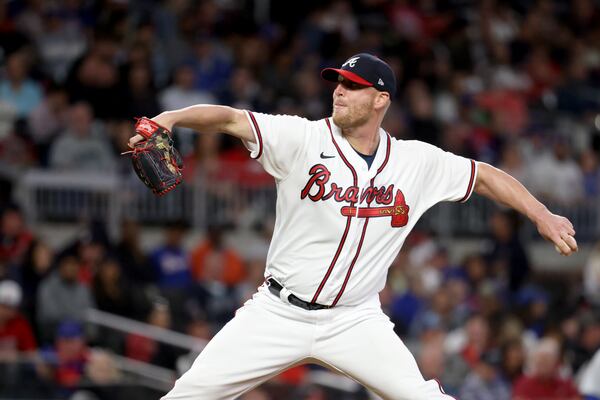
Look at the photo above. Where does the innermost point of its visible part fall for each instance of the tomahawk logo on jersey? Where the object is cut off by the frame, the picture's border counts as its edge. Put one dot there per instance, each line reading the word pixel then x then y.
pixel 363 214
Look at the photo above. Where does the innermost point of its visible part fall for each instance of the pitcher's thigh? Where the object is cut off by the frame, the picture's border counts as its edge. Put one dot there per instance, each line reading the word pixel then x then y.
pixel 253 347
pixel 371 353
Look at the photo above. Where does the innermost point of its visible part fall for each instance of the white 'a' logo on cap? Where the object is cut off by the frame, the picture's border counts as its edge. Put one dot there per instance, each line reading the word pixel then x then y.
pixel 351 62
pixel 380 82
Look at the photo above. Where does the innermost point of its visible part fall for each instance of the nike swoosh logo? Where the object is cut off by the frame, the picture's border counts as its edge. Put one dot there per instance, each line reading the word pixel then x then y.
pixel 324 156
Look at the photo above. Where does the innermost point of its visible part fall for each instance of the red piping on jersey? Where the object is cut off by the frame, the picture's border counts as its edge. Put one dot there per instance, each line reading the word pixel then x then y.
pixel 387 157
pixel 466 196
pixel 362 236
pixel 348 221
pixel 257 129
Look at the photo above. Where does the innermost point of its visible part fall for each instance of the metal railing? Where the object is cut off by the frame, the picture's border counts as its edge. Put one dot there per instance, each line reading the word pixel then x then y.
pixel 61 196
pixel 162 379
pixel 127 325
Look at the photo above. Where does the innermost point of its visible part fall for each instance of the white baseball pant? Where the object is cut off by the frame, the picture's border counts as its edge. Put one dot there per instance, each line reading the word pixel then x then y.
pixel 267 336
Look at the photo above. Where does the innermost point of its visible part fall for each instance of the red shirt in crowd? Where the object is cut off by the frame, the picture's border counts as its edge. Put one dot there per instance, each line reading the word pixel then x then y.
pixel 140 348
pixel 13 248
pixel 532 388
pixel 16 334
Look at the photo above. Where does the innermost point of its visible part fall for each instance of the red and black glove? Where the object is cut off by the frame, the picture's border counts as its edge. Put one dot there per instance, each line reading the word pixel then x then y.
pixel 155 160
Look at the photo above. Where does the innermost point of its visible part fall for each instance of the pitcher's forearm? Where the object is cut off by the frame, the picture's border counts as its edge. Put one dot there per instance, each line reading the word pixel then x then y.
pixel 207 118
pixel 504 189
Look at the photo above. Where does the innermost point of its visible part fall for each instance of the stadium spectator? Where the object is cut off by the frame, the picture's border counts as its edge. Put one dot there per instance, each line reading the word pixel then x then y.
pixel 17 154
pixel 427 259
pixel 136 266
pixel 64 362
pixel 102 379
pixel 471 341
pixel 150 48
pixel 409 303
pixel 182 92
pixel 543 381
pixel 111 292
pixel 62 297
pixel 16 335
pixel 211 62
pixel 513 359
pixel 512 162
pixel 82 146
pixel 574 94
pixel 59 40
pixel 440 307
pixel 170 261
pixel 507 256
pixel 213 260
pixel 556 176
pixel 476 271
pixel 422 125
pixel 140 95
pixel 148 350
pixel 18 90
pixel 485 381
pixel 587 340
pixel 36 266
pixel 591 173
pixel 47 120
pixel 90 250
pixel 534 303
pixel 94 78
pixel 204 163
pixel 15 237
pixel 428 348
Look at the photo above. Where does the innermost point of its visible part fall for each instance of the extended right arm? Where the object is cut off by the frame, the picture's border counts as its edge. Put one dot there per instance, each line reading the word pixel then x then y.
pixel 206 119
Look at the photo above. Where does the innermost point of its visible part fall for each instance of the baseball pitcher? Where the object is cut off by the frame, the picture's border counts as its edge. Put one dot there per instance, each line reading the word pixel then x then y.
pixel 348 195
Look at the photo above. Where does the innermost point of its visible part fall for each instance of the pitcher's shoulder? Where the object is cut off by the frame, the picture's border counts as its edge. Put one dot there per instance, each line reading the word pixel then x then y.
pixel 412 146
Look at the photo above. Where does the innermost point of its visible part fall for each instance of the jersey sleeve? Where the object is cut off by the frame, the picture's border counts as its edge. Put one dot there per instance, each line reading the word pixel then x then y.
pixel 279 141
pixel 447 176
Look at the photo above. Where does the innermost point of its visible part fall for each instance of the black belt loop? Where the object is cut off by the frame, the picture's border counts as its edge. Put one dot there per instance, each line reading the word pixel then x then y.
pixel 275 288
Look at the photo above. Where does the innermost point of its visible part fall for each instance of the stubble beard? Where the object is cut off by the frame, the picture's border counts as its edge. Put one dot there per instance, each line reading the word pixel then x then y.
pixel 353 116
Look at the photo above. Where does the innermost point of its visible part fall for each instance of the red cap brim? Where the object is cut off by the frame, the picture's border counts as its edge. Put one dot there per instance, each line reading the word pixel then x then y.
pixel 331 74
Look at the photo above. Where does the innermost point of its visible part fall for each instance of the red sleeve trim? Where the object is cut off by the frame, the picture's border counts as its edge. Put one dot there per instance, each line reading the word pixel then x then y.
pixel 471 183
pixel 258 135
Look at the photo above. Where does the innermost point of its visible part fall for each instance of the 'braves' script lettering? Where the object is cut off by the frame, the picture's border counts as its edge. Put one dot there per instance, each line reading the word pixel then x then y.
pixel 318 188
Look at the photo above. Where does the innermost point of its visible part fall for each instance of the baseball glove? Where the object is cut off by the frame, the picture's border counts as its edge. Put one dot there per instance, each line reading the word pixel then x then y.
pixel 155 161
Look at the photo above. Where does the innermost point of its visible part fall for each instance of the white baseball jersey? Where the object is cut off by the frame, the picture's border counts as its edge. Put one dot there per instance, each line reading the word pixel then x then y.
pixel 340 224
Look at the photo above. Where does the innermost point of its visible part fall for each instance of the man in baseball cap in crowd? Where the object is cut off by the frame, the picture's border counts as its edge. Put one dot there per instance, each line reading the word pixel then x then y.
pixel 16 335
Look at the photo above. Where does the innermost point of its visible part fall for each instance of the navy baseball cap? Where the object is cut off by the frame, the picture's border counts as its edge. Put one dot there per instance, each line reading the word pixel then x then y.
pixel 69 330
pixel 365 69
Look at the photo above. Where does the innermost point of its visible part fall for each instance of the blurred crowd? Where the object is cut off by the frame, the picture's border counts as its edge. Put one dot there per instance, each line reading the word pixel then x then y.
pixel 512 83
